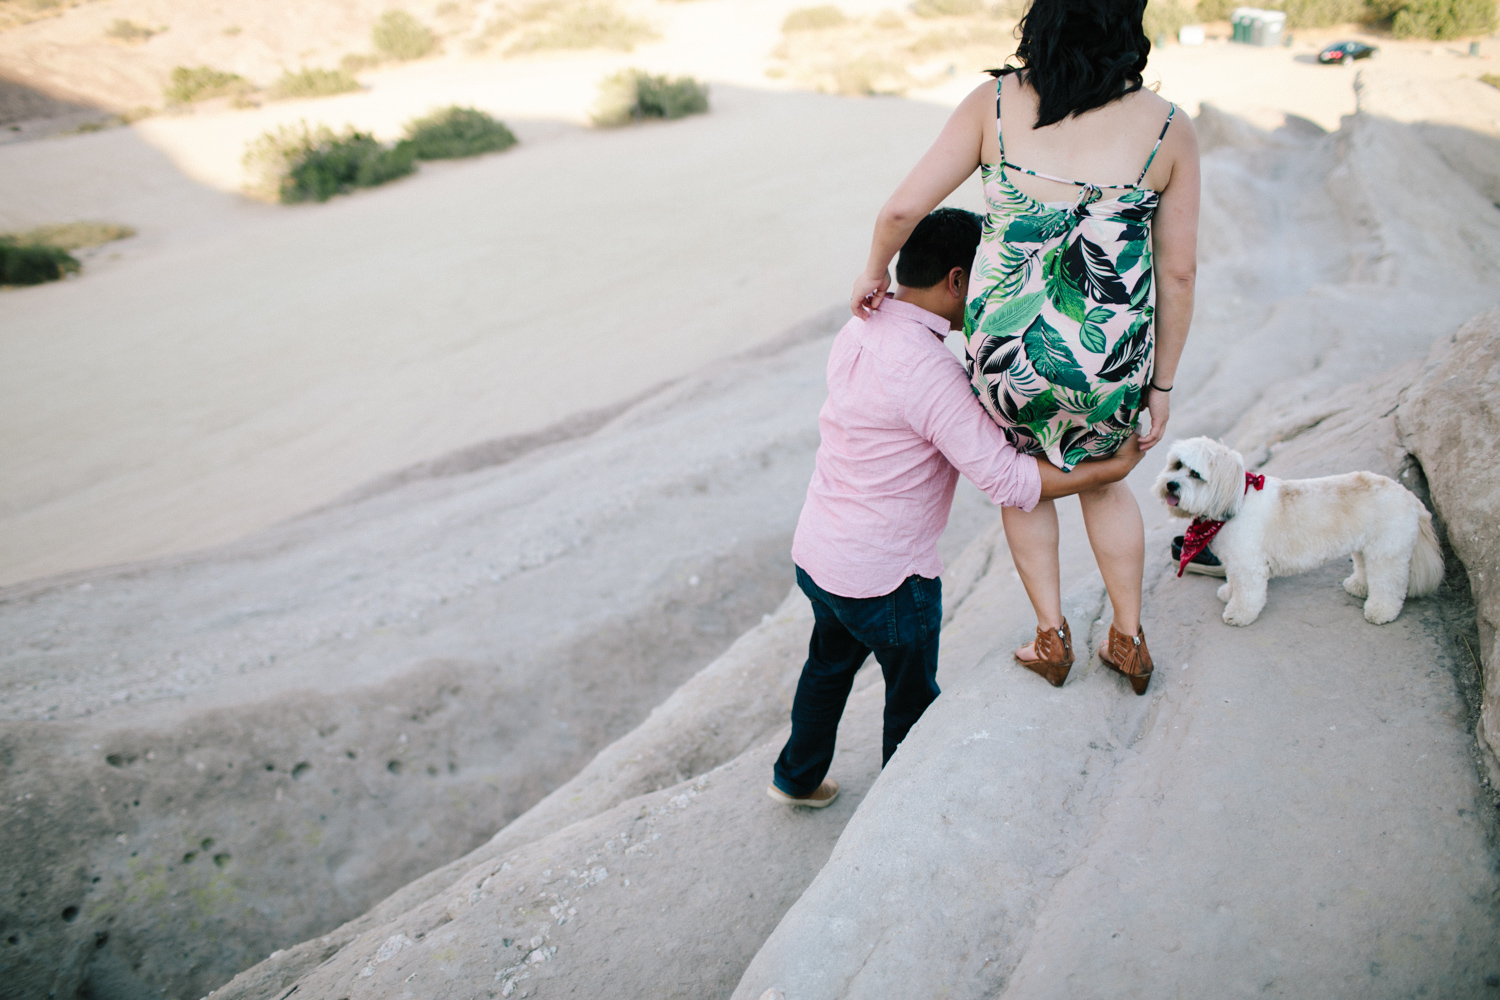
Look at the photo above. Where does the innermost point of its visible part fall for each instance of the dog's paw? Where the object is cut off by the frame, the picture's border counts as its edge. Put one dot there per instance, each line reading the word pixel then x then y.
pixel 1380 614
pixel 1356 587
pixel 1225 592
pixel 1239 616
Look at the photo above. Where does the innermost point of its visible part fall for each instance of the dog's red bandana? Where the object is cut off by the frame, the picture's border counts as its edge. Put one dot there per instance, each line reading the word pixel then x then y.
pixel 1202 530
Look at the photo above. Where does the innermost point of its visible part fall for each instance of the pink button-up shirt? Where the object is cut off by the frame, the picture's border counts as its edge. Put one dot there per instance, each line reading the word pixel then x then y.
pixel 899 426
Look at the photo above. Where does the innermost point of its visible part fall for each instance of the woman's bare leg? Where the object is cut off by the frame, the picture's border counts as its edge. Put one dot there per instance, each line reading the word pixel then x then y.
pixel 1033 548
pixel 1118 537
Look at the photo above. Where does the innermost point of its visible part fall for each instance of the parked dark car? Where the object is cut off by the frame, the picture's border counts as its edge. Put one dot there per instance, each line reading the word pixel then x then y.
pixel 1342 52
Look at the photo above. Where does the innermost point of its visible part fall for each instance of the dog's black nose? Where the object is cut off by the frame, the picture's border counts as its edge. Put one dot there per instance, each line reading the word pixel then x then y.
pixel 1172 487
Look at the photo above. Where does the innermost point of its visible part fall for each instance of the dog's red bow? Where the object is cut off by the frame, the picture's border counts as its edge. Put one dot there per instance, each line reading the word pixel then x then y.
pixel 1202 530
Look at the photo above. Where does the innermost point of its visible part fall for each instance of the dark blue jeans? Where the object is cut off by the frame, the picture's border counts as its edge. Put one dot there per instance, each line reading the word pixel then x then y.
pixel 901 629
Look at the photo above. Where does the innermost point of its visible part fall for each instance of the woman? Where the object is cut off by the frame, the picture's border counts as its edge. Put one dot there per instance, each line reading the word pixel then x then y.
pixel 1082 290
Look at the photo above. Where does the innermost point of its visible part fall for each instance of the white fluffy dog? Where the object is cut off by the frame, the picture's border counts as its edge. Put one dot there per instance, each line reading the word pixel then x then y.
pixel 1292 526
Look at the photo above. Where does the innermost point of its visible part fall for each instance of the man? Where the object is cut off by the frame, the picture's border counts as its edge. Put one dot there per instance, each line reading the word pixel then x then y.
pixel 900 424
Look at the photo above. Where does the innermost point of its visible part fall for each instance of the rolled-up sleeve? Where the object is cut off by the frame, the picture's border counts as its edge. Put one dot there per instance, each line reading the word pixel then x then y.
pixel 941 407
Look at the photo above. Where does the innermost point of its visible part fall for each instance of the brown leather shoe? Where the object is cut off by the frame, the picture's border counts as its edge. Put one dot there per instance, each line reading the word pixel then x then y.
pixel 1054 651
pixel 1128 655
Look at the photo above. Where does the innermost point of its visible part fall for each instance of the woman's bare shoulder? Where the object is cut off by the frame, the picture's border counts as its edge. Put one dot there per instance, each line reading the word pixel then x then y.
pixel 1152 107
pixel 982 95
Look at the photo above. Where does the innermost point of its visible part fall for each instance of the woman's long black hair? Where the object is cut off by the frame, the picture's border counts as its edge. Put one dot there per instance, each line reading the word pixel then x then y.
pixel 1081 54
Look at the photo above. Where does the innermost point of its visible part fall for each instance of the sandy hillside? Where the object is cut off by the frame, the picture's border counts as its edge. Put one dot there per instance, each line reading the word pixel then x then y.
pixel 431 629
pixel 427 494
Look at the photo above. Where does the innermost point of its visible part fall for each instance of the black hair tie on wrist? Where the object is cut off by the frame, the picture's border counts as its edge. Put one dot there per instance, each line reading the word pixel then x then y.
pixel 1158 388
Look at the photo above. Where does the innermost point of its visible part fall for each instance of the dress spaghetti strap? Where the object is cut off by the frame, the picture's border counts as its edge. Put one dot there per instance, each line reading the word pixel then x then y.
pixel 1000 75
pixel 1171 112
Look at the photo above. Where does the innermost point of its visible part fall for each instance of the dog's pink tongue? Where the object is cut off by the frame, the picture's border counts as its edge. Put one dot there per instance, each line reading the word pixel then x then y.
pixel 1171 500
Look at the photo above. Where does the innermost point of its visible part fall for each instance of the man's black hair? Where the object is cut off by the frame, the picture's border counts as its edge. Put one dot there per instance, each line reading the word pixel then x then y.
pixel 944 240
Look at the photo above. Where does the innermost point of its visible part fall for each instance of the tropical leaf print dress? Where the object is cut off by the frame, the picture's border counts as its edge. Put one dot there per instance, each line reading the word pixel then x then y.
pixel 1058 327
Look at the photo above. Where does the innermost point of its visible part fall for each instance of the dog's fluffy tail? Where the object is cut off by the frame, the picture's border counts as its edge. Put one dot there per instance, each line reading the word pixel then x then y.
pixel 1426 560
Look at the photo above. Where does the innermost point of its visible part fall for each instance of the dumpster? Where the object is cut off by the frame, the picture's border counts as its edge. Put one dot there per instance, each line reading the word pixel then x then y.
pixel 1253 26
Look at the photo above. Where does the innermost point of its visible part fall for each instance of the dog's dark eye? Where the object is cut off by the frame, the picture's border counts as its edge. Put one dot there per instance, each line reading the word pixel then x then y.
pixel 1174 466
pixel 1192 474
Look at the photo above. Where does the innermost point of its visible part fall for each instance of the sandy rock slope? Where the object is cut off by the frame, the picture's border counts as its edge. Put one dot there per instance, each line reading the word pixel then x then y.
pixel 1018 820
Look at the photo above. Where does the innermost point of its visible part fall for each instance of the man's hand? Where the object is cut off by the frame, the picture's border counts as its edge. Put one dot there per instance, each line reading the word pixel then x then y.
pixel 869 292
pixel 1091 474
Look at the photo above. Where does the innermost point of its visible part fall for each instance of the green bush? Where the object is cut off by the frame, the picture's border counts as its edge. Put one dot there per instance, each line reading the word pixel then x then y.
pixel 398 35
pixel 300 163
pixel 1443 19
pixel 633 95
pixel 1164 18
pixel 73 235
pixel 455 132
pixel 1492 79
pixel 956 37
pixel 200 83
pixel 33 263
pixel 358 62
pixel 312 83
pixel 581 24
pixel 129 32
pixel 813 18
pixel 1323 13
pixel 947 8
pixel 1215 10
pixel 352 160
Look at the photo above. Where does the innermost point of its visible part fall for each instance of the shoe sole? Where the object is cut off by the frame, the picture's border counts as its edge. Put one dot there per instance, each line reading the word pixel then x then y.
pixel 1138 682
pixel 1203 570
pixel 785 799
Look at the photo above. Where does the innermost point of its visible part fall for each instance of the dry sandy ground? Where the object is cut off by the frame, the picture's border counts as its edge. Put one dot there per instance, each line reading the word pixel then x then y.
pixel 1295 810
pixel 237 364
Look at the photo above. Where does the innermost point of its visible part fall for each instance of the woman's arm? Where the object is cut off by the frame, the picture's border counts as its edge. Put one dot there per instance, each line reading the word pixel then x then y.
pixel 952 158
pixel 1174 246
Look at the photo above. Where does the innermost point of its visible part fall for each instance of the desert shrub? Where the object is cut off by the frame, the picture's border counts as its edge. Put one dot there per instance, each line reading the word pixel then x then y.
pixel 74 235
pixel 581 24
pixel 200 83
pixel 952 38
pixel 129 32
pixel 1493 79
pixel 947 8
pixel 455 132
pixel 813 18
pixel 358 62
pixel 312 83
pixel 1165 18
pixel 1322 13
pixel 33 263
pixel 352 160
pixel 869 74
pixel 14 12
pixel 398 35
pixel 300 163
pixel 1216 10
pixel 1442 19
pixel 633 95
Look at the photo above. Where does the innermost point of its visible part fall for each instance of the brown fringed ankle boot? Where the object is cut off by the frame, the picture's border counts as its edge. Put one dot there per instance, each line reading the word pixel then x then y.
pixel 1054 652
pixel 1128 655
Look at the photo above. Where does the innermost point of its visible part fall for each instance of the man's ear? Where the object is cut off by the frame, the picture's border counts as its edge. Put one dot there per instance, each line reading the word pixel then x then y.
pixel 958 282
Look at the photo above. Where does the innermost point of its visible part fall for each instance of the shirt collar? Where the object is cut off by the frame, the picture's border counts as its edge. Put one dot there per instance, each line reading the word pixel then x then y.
pixel 898 310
